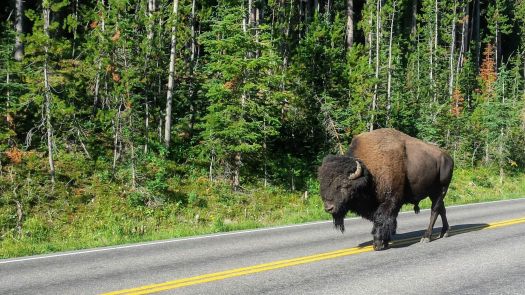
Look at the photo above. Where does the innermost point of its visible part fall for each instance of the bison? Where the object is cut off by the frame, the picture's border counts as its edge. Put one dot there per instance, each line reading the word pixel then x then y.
pixel 383 170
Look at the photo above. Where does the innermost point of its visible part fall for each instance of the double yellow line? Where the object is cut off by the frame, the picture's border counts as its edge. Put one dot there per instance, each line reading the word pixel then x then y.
pixel 154 288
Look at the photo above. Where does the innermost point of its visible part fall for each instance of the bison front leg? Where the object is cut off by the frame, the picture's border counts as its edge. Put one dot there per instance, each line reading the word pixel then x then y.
pixel 384 225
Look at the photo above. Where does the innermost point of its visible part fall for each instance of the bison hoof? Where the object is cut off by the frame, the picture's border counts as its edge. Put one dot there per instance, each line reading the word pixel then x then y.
pixel 425 240
pixel 444 235
pixel 380 245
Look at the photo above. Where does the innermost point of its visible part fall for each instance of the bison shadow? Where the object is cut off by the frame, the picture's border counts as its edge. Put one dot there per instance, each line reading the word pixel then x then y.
pixel 409 238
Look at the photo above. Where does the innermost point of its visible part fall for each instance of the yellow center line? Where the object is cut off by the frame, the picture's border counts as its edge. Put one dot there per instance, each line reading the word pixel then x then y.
pixel 154 288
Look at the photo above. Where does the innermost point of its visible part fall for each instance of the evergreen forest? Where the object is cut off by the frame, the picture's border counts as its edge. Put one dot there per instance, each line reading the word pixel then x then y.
pixel 128 120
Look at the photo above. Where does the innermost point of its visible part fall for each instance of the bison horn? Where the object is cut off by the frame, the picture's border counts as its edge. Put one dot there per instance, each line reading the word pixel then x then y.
pixel 357 172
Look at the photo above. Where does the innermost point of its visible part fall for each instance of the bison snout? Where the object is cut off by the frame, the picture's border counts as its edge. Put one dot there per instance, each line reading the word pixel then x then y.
pixel 329 208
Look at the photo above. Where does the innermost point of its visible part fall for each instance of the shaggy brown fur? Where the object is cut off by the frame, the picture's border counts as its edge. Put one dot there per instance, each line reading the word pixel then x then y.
pixel 396 169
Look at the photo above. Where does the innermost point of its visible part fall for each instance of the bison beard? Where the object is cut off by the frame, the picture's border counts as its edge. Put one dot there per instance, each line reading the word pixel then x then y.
pixel 339 220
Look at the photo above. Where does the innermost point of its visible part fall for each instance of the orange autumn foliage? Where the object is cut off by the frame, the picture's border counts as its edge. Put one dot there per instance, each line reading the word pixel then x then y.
pixel 93 24
pixel 14 155
pixel 115 76
pixel 457 103
pixel 116 36
pixel 487 72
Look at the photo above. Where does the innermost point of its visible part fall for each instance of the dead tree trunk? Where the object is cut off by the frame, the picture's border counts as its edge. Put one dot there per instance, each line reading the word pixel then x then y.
pixel 436 24
pixel 464 37
pixel 378 44
pixel 389 82
pixel 171 77
pixel 452 49
pixel 497 41
pixel 99 61
pixel 19 218
pixel 152 6
pixel 413 18
pixel 192 65
pixel 47 95
pixel 8 118
pixel 370 40
pixel 19 28
pixel 349 24
pixel 116 136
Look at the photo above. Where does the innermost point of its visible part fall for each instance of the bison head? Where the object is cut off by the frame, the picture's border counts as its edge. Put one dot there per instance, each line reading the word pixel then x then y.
pixel 342 179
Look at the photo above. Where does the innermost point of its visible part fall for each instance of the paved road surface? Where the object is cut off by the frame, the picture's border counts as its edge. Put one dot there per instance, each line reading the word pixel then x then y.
pixel 483 256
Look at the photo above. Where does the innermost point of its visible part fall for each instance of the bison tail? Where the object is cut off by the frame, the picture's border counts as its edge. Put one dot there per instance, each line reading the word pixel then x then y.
pixel 416 208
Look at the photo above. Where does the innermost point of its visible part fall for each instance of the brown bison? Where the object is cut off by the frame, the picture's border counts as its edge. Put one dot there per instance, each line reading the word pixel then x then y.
pixel 383 170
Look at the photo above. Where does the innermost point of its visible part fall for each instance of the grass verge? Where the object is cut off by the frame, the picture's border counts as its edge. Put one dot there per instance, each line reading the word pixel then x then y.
pixel 108 214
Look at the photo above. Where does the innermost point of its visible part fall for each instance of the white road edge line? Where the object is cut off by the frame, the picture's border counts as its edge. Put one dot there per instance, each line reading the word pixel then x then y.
pixel 210 236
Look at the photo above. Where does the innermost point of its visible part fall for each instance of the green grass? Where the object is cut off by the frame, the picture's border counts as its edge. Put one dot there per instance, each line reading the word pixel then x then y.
pixel 108 214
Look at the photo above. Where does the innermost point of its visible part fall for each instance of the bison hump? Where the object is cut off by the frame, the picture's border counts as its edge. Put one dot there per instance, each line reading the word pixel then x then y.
pixel 384 154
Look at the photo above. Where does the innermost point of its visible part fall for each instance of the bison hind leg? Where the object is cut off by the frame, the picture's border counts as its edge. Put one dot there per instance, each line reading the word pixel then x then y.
pixel 438 209
pixel 446 227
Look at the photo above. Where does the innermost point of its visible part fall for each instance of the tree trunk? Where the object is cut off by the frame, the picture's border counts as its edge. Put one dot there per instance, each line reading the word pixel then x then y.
pixel 19 218
pixel 477 16
pixel 99 63
pixel 436 23
pixel 193 46
pixel 466 24
pixel 433 37
pixel 497 41
pixel 501 156
pixel 349 24
pixel 133 158
pixel 116 136
pixel 159 94
pixel 171 78
pixel 389 80
pixel 301 15
pixel 8 118
pixel 251 14
pixel 258 15
pixel 452 49
pixel 236 181
pixel 378 40
pixel 370 40
pixel 265 154
pixel 418 69
pixel 413 19
pixel 328 6
pixel 152 6
pixel 464 37
pixel 47 95
pixel 306 11
pixel 286 45
pixel 75 17
pixel 211 164
pixel 19 28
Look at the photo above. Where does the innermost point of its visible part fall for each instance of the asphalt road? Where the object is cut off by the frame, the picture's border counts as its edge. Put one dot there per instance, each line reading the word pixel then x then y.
pixel 482 256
